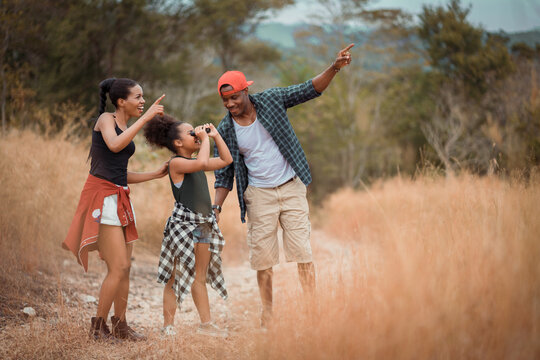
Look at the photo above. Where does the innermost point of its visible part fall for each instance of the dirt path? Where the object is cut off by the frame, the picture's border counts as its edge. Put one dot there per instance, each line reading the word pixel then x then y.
pixel 60 328
pixel 145 303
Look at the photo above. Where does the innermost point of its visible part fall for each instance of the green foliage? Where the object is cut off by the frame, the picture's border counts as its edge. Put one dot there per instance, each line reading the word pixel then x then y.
pixel 444 93
pixel 98 39
pixel 225 24
pixel 408 102
pixel 461 51
pixel 481 94
pixel 20 41
pixel 57 52
pixel 522 50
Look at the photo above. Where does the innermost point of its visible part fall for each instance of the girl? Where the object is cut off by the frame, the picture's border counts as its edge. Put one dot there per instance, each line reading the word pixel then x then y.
pixel 104 219
pixel 192 243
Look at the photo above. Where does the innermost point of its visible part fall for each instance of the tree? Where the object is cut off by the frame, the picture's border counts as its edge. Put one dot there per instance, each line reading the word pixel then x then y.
pixel 461 51
pixel 94 40
pixel 407 103
pixel 522 50
pixel 20 41
pixel 226 24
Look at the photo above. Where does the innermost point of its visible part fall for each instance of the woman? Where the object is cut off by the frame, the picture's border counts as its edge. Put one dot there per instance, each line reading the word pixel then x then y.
pixel 104 219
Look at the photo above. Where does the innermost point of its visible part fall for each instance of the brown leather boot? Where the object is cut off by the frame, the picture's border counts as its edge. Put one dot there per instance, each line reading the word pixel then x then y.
pixel 100 331
pixel 121 330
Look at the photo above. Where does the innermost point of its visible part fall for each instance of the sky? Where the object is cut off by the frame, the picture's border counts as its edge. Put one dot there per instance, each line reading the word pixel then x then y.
pixel 492 15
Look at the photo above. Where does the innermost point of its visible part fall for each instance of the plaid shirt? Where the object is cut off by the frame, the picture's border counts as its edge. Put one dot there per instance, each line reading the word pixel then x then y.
pixel 271 106
pixel 178 244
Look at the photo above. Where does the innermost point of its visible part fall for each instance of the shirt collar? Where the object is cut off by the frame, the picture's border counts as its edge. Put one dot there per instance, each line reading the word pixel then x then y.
pixel 229 118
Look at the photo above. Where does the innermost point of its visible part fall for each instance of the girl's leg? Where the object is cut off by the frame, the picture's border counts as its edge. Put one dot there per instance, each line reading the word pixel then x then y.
pixel 198 289
pixel 121 297
pixel 113 250
pixel 169 301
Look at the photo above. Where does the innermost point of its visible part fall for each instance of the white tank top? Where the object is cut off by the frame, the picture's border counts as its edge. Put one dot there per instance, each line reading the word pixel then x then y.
pixel 266 165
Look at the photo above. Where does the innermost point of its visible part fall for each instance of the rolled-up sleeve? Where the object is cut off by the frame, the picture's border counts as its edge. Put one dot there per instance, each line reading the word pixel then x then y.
pixel 297 94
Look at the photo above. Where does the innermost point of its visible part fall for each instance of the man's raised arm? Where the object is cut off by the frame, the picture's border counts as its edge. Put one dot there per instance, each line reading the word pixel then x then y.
pixel 321 81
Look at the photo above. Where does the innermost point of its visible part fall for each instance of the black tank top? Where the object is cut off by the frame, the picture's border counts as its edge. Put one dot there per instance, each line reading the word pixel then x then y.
pixel 107 164
pixel 193 193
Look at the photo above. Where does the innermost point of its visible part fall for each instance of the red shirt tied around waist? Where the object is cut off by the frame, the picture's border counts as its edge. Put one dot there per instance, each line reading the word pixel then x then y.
pixel 84 229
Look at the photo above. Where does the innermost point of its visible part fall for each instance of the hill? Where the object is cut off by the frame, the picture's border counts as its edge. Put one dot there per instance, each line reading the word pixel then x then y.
pixel 282 35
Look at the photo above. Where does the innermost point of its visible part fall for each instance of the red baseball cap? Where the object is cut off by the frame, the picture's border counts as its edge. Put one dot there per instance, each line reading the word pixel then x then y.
pixel 235 79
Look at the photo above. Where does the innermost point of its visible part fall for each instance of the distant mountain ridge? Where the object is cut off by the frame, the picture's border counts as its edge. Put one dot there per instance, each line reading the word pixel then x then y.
pixel 282 35
pixel 279 34
pixel 530 38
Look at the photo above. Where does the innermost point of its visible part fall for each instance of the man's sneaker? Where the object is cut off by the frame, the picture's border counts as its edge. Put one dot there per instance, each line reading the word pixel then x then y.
pixel 212 329
pixel 168 330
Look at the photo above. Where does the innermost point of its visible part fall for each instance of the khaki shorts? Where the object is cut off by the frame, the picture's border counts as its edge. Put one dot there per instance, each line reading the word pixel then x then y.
pixel 285 205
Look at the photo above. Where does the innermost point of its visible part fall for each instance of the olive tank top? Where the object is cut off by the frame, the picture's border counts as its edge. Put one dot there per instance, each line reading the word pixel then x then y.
pixel 193 193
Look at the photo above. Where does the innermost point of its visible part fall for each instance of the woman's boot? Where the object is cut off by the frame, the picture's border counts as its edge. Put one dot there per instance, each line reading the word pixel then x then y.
pixel 121 330
pixel 100 331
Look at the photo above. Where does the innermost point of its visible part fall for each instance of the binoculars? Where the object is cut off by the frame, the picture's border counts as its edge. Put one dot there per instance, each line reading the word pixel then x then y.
pixel 192 133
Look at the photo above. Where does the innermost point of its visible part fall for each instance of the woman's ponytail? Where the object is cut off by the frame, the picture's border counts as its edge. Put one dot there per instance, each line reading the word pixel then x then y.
pixel 104 88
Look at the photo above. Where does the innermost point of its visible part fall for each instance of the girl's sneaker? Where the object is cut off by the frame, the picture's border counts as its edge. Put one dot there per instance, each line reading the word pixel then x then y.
pixel 168 330
pixel 211 329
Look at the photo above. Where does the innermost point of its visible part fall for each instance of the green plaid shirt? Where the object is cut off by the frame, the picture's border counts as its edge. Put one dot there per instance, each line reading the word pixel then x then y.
pixel 271 106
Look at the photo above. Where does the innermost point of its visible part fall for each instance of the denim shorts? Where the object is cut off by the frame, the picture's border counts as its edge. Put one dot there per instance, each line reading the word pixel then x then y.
pixel 202 234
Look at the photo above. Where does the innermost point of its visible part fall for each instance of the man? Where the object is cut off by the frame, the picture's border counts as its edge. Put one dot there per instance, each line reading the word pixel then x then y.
pixel 271 173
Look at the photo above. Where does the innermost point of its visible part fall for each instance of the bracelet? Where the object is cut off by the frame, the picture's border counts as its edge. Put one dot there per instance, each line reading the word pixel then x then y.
pixel 336 69
pixel 217 207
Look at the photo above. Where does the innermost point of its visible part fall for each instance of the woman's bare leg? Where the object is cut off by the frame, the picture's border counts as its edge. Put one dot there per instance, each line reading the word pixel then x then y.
pixel 121 297
pixel 112 248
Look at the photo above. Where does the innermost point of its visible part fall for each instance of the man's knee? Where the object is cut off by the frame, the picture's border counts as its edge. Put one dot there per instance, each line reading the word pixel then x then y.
pixel 265 275
pixel 305 266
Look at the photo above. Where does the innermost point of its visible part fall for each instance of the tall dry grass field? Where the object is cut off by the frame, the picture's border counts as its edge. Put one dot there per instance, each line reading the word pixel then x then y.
pixel 432 269
pixel 37 199
pixel 424 269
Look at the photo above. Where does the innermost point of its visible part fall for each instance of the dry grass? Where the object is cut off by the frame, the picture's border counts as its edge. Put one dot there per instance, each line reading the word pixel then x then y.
pixel 446 269
pixel 38 198
pixel 67 338
pixel 435 268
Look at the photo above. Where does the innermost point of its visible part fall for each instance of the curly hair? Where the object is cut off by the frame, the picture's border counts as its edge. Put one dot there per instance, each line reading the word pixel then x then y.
pixel 162 130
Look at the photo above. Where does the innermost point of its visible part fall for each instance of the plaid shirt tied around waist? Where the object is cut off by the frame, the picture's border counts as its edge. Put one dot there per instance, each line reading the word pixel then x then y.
pixel 271 106
pixel 178 244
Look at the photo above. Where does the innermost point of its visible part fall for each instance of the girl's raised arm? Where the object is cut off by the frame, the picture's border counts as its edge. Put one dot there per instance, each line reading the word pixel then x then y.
pixel 225 157
pixel 180 165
